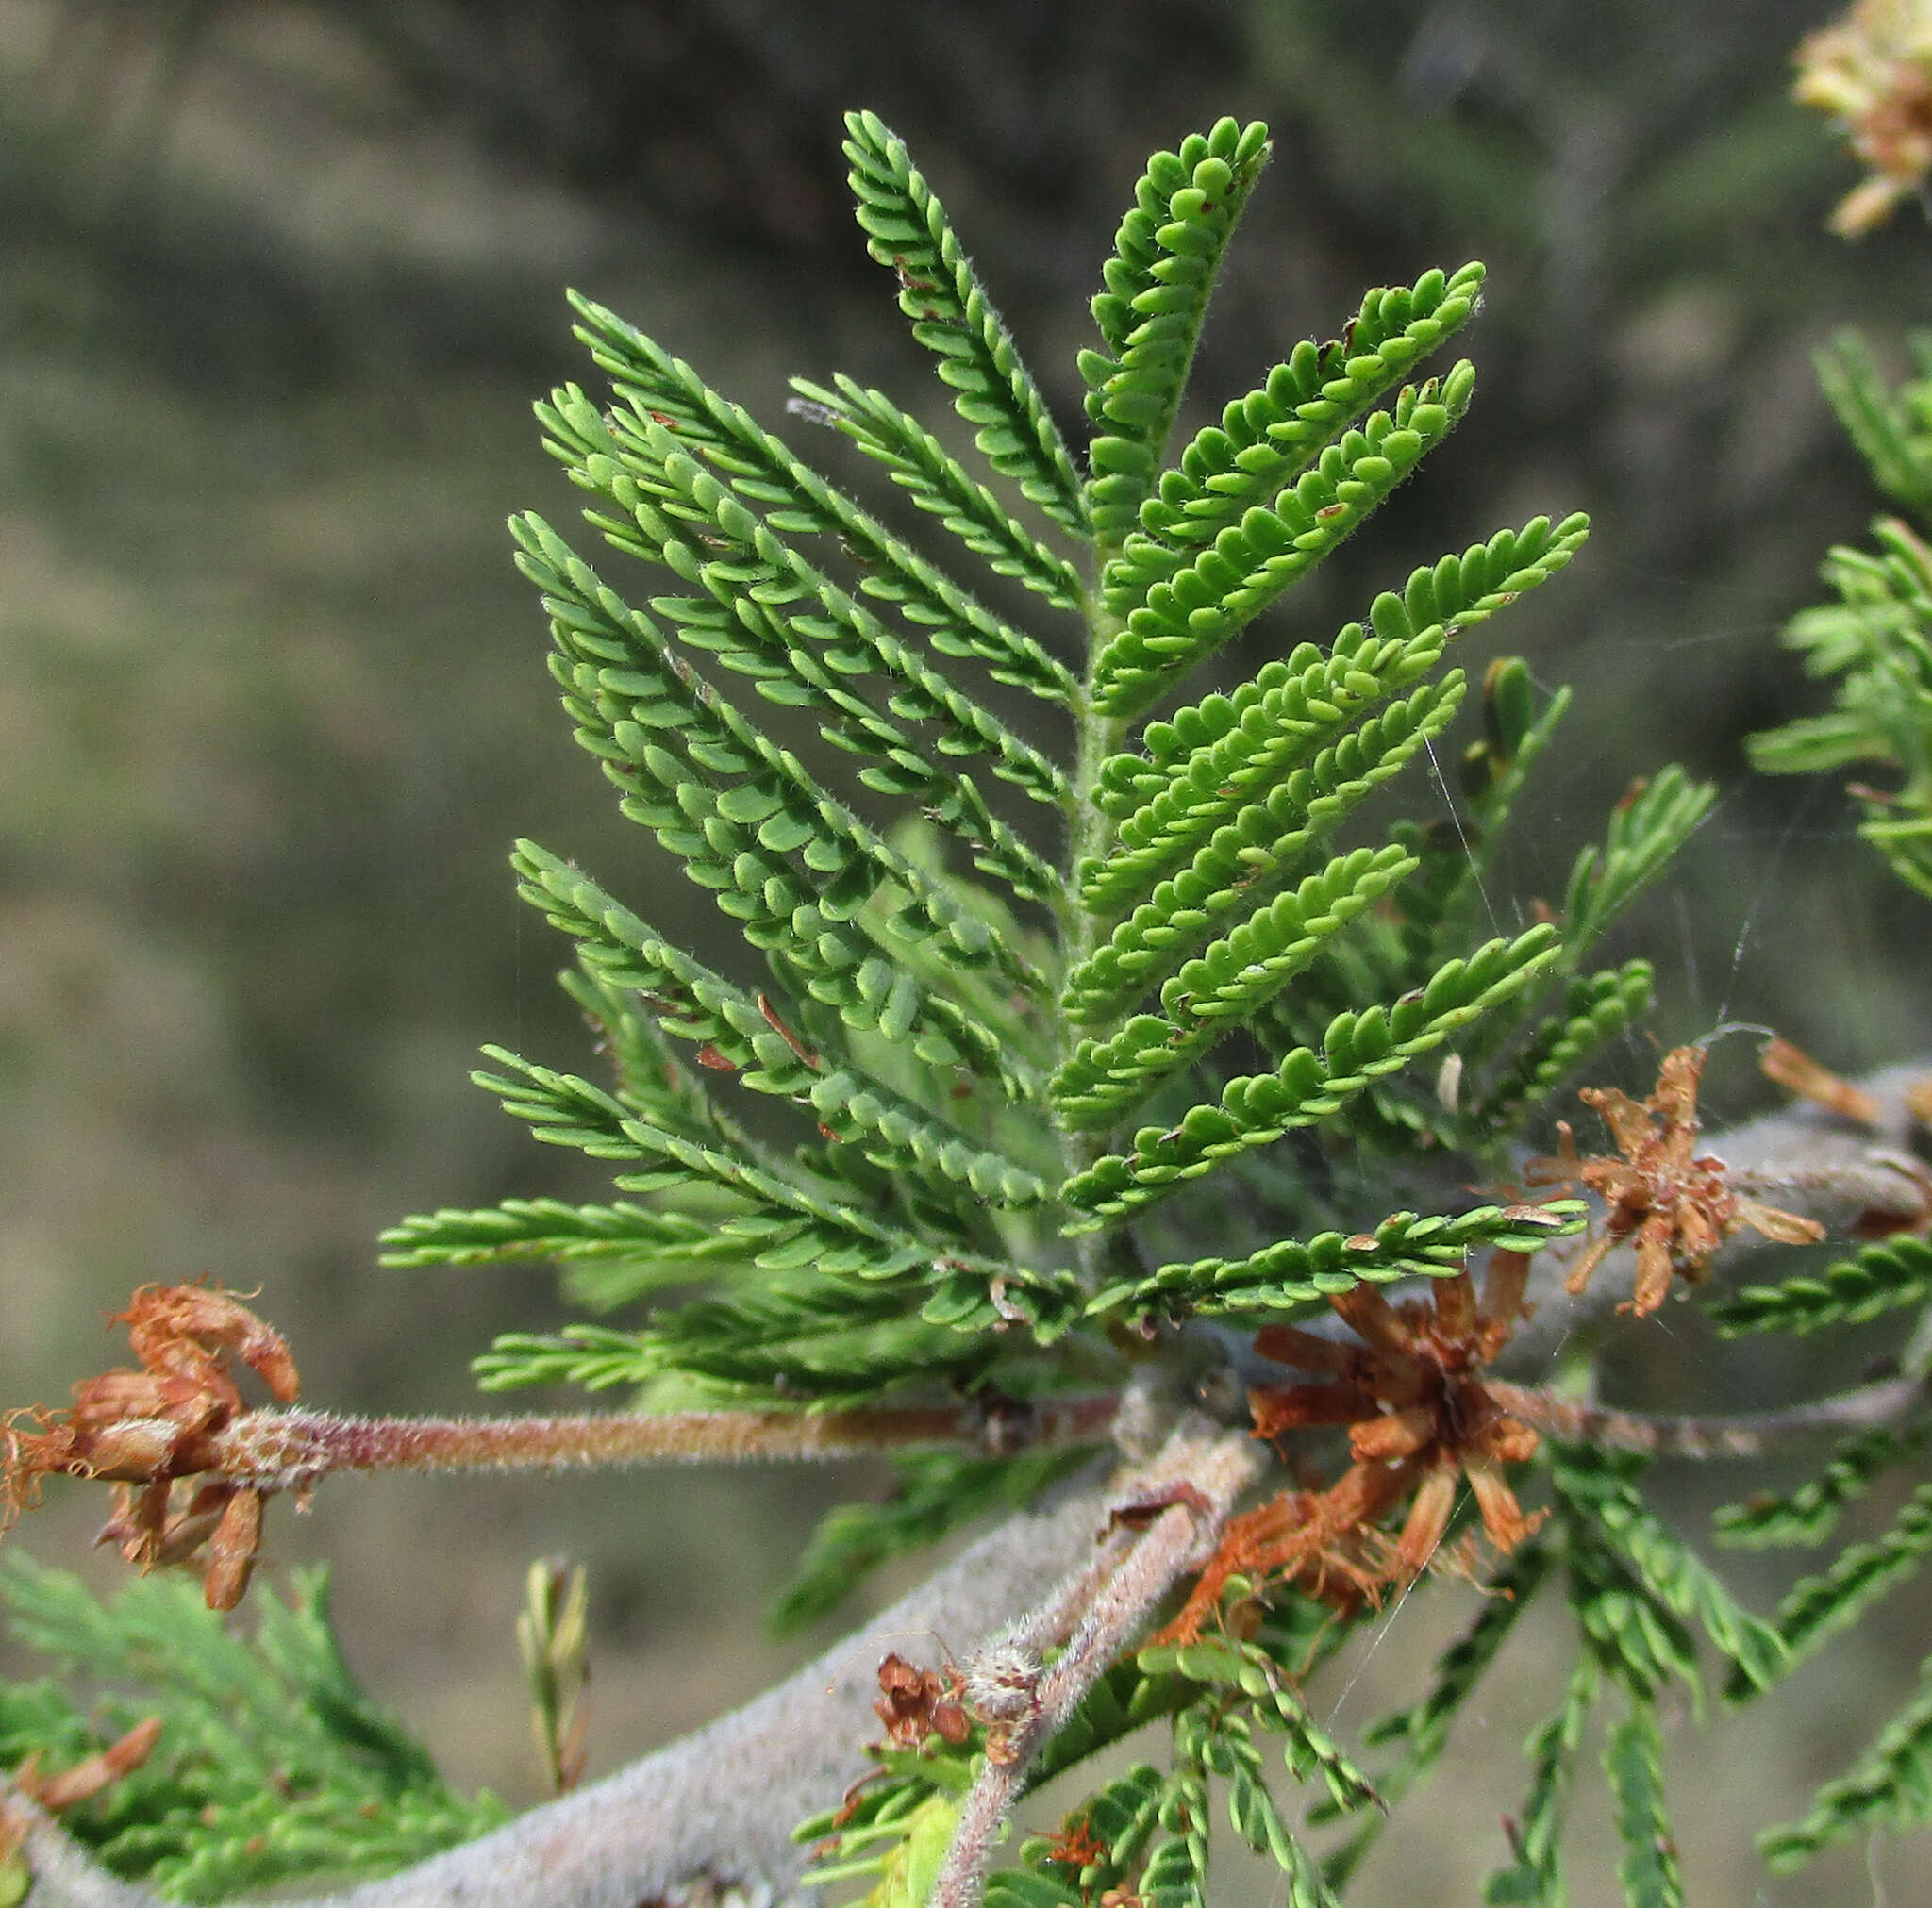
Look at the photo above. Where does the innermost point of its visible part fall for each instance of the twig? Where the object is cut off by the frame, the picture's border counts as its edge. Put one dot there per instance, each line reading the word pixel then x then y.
pixel 1893 1402
pixel 1215 1465
pixel 711 1812
pixel 279 1449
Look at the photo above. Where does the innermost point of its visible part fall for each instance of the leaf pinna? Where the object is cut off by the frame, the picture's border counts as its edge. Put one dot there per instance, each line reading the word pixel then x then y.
pixel 1073 1024
pixel 959 1018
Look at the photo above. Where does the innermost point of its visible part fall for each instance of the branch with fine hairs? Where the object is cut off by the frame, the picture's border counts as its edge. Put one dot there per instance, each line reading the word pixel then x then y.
pixel 714 1811
pixel 278 1448
pixel 1869 1407
pixel 1100 1614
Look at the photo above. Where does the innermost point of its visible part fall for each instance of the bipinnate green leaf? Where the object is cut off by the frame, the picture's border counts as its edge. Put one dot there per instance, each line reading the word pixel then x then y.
pixel 1154 294
pixel 1256 1109
pixel 809 1339
pixel 907 228
pixel 1878 1279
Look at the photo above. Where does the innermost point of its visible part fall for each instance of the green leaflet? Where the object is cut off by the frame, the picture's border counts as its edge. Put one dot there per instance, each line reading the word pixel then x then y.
pixel 1216 994
pixel 1264 439
pixel 1535 1879
pixel 1646 829
pixel 1633 1760
pixel 1603 1488
pixel 550 1229
pixel 663 391
pixel 272 1766
pixel 631 697
pixel 1877 640
pixel 770 613
pixel 940 485
pixel 563 1110
pixel 1808 1515
pixel 1290 1274
pixel 907 228
pixel 1224 587
pixel 1597 1007
pixel 1888 426
pixel 749 1036
pixel 1157 287
pixel 1205 761
pixel 1889 1787
pixel 1880 1278
pixel 1307 1087
pixel 1422 1730
pixel 814 1339
pixel 1239 865
pixel 1176 1872
pixel 1632 1634
pixel 1817 1607
pixel 1122 1815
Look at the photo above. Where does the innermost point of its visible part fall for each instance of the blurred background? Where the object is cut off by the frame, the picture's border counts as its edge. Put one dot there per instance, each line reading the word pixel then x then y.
pixel 280 283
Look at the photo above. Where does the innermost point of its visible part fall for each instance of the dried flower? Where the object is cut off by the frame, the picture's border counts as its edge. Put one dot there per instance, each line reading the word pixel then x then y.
pixel 1871 71
pixel 918 1704
pixel 1677 1206
pixel 151 1433
pixel 1419 1417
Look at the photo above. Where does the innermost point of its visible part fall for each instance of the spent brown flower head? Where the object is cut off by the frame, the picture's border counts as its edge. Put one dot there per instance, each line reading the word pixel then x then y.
pixel 1674 1205
pixel 917 1704
pixel 151 1433
pixel 1420 1416
pixel 1872 72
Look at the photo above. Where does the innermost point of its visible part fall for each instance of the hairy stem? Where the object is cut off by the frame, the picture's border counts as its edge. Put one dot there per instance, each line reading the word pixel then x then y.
pixel 272 1447
pixel 1896 1401
pixel 1104 1612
